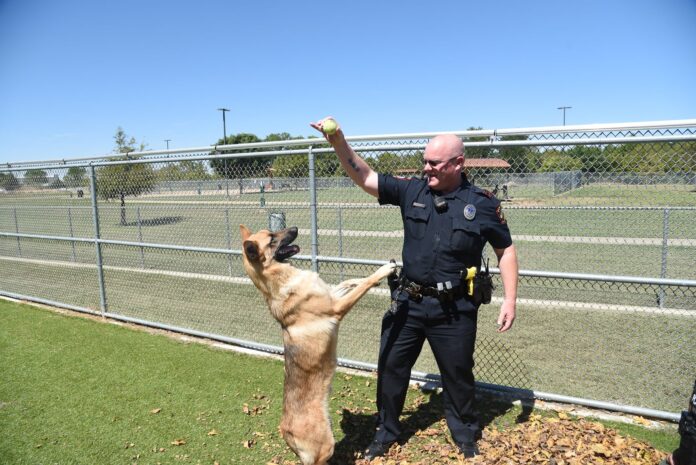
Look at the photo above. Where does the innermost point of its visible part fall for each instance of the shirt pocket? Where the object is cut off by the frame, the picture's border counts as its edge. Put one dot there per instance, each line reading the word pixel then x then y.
pixel 416 221
pixel 466 235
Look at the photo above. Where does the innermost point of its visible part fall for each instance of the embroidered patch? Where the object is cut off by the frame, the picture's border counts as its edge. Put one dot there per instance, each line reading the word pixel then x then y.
pixel 501 216
pixel 487 193
pixel 469 212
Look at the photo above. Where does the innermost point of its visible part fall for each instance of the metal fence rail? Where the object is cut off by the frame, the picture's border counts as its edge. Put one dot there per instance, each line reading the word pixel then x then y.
pixel 602 217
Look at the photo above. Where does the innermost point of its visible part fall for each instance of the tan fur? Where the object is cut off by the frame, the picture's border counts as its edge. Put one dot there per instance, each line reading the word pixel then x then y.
pixel 309 314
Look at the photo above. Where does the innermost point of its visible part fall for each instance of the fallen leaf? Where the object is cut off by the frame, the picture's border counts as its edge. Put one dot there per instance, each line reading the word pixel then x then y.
pixel 178 442
pixel 212 432
pixel 155 410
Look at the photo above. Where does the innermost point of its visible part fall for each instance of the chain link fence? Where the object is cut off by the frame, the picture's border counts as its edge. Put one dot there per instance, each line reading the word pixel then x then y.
pixel 602 218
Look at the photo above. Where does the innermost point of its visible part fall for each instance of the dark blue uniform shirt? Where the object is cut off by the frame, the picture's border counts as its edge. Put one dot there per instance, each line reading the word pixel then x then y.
pixel 439 245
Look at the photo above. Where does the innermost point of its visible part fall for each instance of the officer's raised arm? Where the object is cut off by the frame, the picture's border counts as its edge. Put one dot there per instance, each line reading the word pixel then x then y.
pixel 359 171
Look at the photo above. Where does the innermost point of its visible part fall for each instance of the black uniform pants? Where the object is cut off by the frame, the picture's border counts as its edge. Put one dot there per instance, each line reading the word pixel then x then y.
pixel 451 338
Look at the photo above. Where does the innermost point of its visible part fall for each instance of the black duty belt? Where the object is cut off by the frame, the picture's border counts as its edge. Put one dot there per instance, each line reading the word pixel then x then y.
pixel 444 292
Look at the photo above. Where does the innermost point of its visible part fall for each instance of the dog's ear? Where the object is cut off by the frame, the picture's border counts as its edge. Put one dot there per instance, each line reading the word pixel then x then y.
pixel 251 249
pixel 244 231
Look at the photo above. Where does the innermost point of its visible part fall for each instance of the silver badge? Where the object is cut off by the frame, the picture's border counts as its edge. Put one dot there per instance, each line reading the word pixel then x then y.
pixel 469 212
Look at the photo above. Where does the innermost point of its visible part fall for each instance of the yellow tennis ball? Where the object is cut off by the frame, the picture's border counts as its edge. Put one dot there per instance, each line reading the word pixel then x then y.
pixel 329 126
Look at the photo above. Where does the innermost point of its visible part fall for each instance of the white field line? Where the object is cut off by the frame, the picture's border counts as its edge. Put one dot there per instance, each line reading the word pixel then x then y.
pixel 246 203
pixel 384 292
pixel 526 238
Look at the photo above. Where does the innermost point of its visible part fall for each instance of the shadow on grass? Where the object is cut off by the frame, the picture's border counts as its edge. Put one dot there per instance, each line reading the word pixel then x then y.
pixel 359 428
pixel 161 221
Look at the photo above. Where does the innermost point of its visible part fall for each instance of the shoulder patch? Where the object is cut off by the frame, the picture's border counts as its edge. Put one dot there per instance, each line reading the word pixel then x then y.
pixel 484 192
pixel 500 215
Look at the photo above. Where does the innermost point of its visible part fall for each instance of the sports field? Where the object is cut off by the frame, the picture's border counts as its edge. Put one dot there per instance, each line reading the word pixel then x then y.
pixel 608 342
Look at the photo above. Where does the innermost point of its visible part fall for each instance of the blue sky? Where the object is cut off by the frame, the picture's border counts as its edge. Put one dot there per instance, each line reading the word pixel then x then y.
pixel 72 71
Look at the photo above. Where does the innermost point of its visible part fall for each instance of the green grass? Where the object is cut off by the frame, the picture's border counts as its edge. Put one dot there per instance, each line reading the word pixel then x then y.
pixel 603 355
pixel 76 391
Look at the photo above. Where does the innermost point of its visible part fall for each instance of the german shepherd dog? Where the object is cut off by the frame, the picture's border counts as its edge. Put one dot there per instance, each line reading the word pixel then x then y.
pixel 309 312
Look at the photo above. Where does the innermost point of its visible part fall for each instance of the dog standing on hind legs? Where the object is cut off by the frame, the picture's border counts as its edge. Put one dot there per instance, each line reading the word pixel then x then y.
pixel 309 312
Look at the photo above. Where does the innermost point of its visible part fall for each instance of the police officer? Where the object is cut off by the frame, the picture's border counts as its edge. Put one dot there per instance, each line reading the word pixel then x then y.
pixel 447 222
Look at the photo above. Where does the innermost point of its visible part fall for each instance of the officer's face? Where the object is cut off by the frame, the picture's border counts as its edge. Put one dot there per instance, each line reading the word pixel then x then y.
pixel 442 162
pixel 444 174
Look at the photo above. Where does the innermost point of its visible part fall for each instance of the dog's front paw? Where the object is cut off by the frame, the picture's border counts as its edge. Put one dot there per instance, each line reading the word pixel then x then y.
pixel 386 270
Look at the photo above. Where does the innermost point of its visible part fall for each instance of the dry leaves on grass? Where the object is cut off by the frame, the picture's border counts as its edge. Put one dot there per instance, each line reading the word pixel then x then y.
pixel 550 441
pixel 564 442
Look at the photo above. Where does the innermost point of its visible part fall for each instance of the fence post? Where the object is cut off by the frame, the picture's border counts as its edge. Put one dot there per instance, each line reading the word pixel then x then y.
pixel 97 243
pixel 228 237
pixel 140 238
pixel 665 247
pixel 19 242
pixel 340 238
pixel 313 210
pixel 72 234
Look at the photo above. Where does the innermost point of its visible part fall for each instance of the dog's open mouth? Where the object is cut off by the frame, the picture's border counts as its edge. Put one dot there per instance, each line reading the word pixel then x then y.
pixel 285 252
pixel 286 249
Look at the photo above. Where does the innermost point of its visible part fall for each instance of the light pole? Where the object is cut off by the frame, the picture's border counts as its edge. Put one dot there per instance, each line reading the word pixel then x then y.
pixel 564 110
pixel 224 126
pixel 224 142
pixel 167 141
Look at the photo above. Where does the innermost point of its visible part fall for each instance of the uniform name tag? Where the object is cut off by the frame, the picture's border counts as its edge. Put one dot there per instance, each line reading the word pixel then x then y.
pixel 419 205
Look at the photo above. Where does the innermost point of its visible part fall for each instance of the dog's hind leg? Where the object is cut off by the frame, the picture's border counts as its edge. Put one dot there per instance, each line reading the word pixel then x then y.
pixel 349 292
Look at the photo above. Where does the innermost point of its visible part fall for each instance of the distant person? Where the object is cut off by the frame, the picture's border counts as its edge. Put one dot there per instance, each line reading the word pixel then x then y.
pixel 447 222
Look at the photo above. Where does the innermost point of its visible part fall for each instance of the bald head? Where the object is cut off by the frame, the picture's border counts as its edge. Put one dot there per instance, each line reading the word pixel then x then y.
pixel 445 146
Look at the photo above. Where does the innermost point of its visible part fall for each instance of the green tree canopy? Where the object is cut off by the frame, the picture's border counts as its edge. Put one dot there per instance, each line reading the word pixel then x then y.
pixel 476 152
pixel 35 177
pixel 76 177
pixel 119 181
pixel 245 167
pixel 8 181
pixel 553 160
pixel 522 159
pixel 186 170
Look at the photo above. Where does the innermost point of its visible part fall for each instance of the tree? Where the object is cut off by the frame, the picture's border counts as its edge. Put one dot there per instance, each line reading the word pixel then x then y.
pixel 558 161
pixel 244 167
pixel 592 158
pixel 477 152
pixel 75 177
pixel 522 158
pixel 296 166
pixel 8 181
pixel 118 181
pixel 35 177
pixel 186 170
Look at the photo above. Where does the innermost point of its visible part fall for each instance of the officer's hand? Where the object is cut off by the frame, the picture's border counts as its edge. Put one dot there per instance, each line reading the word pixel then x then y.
pixel 506 317
pixel 319 126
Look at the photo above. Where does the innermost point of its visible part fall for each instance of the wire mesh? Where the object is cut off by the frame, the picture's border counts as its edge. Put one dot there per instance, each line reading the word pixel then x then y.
pixel 574 205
